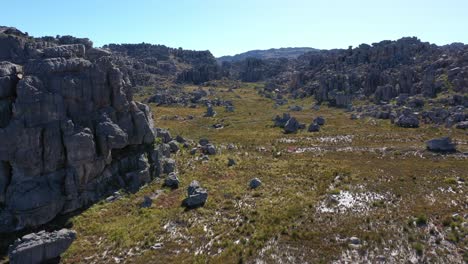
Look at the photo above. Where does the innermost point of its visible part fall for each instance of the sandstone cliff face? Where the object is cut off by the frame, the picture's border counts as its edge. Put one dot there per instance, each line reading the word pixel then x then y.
pixel 70 133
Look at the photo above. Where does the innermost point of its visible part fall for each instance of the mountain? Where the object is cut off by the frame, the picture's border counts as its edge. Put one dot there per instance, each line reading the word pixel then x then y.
pixel 289 53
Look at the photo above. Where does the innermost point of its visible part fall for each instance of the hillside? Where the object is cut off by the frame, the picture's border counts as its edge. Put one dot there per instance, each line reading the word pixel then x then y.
pixel 288 53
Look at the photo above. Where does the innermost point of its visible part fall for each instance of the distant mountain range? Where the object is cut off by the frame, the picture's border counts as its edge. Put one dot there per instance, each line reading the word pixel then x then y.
pixel 290 53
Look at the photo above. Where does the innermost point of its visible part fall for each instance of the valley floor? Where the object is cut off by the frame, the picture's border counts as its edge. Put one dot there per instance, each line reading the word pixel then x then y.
pixel 366 179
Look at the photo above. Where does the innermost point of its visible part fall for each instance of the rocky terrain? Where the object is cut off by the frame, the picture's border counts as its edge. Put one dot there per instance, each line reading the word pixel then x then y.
pixel 336 156
pixel 288 53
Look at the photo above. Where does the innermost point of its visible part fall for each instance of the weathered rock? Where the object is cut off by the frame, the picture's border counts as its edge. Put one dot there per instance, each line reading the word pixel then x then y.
pixel 281 121
pixel 147 202
pixel 172 181
pixel 210 112
pixel 462 125
pixel 407 120
pixel 174 146
pixel 209 149
pixel 231 162
pixel 197 196
pixel 319 121
pixel 291 126
pixel 41 247
pixel 255 183
pixel 314 127
pixel 443 144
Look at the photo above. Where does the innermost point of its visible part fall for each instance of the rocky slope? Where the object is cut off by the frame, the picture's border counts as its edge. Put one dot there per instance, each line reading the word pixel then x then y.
pixel 288 53
pixel 70 132
pixel 160 65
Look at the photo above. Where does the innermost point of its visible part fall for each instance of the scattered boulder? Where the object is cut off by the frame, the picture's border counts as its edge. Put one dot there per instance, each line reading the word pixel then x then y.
pixel 210 112
pixel 172 181
pixel 281 121
pixel 255 183
pixel 174 146
pixel 443 144
pixel 292 126
pixel 319 121
pixel 197 196
pixel 169 165
pixel 231 162
pixel 462 125
pixel 147 202
pixel 407 120
pixel 41 247
pixel 314 127
pixel 295 108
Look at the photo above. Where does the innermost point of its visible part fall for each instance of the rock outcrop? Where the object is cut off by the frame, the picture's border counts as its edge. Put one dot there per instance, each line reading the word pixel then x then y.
pixel 42 247
pixel 70 133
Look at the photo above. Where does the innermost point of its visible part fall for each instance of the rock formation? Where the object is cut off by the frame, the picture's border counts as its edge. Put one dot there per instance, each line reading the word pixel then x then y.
pixel 70 132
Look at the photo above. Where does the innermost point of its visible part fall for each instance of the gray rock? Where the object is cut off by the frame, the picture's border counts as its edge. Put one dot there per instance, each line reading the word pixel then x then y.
pixel 314 127
pixel 203 142
pixel 255 183
pixel 147 202
pixel 319 121
pixel 169 165
pixel 443 144
pixel 295 108
pixel 407 120
pixel 41 247
pixel 281 121
pixel 197 196
pixel 172 181
pixel 209 149
pixel 462 125
pixel 291 126
pixel 174 146
pixel 210 112
pixel 231 162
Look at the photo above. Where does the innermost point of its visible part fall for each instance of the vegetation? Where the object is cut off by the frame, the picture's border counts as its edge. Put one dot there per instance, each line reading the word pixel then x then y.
pixel 283 218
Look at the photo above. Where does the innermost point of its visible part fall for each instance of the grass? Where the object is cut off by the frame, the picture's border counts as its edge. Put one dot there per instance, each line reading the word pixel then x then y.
pixel 279 220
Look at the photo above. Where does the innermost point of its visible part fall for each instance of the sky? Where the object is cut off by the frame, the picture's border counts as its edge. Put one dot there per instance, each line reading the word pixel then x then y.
pixel 228 27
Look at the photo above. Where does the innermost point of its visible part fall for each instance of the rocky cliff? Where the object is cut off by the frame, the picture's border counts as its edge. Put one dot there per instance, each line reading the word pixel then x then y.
pixel 150 64
pixel 70 133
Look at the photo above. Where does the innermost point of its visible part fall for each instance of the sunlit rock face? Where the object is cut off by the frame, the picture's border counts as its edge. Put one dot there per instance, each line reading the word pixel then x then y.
pixel 70 133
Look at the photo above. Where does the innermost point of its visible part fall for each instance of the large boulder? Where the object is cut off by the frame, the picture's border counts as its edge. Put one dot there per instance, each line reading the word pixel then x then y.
pixel 292 126
pixel 407 120
pixel 197 196
pixel 42 247
pixel 443 144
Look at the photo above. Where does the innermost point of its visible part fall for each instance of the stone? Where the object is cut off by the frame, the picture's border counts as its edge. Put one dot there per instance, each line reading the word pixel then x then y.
pixel 172 181
pixel 169 166
pixel 180 139
pixel 210 112
pixel 291 126
pixel 443 144
pixel 174 146
pixel 255 183
pixel 407 120
pixel 197 196
pixel 231 162
pixel 295 108
pixel 147 202
pixel 281 121
pixel 462 125
pixel 354 241
pixel 319 121
pixel 209 149
pixel 314 127
pixel 41 247
pixel 203 142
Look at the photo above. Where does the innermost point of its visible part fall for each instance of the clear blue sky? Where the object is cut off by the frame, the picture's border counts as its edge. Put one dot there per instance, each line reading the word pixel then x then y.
pixel 227 27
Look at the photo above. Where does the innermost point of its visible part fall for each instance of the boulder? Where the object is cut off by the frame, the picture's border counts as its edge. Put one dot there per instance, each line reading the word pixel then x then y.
pixel 231 162
pixel 319 121
pixel 197 196
pixel 443 144
pixel 255 183
pixel 210 112
pixel 292 126
pixel 147 202
pixel 407 120
pixel 281 121
pixel 41 247
pixel 462 125
pixel 314 127
pixel 172 181
pixel 174 146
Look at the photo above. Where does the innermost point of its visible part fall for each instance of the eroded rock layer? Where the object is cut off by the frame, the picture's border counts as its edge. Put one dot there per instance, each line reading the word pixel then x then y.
pixel 70 133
